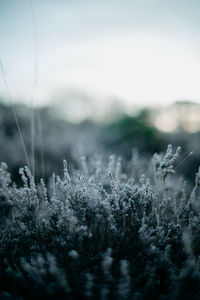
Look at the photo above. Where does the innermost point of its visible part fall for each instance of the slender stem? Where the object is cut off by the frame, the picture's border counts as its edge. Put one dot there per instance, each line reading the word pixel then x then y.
pixel 14 114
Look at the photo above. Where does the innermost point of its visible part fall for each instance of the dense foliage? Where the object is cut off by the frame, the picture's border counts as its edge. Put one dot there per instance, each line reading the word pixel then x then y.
pixel 104 230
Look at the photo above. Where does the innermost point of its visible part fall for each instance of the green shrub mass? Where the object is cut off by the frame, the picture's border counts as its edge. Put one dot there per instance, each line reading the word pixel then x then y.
pixel 105 230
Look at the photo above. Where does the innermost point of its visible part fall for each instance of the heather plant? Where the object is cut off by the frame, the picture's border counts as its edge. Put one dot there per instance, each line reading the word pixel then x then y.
pixel 106 229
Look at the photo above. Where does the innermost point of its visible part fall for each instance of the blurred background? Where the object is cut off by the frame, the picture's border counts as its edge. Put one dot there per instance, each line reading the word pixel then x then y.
pixel 98 76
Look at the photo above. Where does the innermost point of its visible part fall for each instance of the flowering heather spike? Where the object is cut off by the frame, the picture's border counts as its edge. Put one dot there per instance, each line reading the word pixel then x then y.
pixel 163 164
pixel 23 176
pixel 66 172
pixel 111 162
pixel 44 189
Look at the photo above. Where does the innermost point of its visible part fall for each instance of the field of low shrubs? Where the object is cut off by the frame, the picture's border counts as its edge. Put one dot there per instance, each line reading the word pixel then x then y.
pixel 104 229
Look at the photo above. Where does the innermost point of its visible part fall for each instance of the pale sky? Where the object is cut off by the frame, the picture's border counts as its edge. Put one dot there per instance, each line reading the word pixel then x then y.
pixel 141 51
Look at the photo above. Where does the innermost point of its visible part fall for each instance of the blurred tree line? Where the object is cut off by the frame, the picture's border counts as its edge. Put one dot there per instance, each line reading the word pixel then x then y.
pixel 56 139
